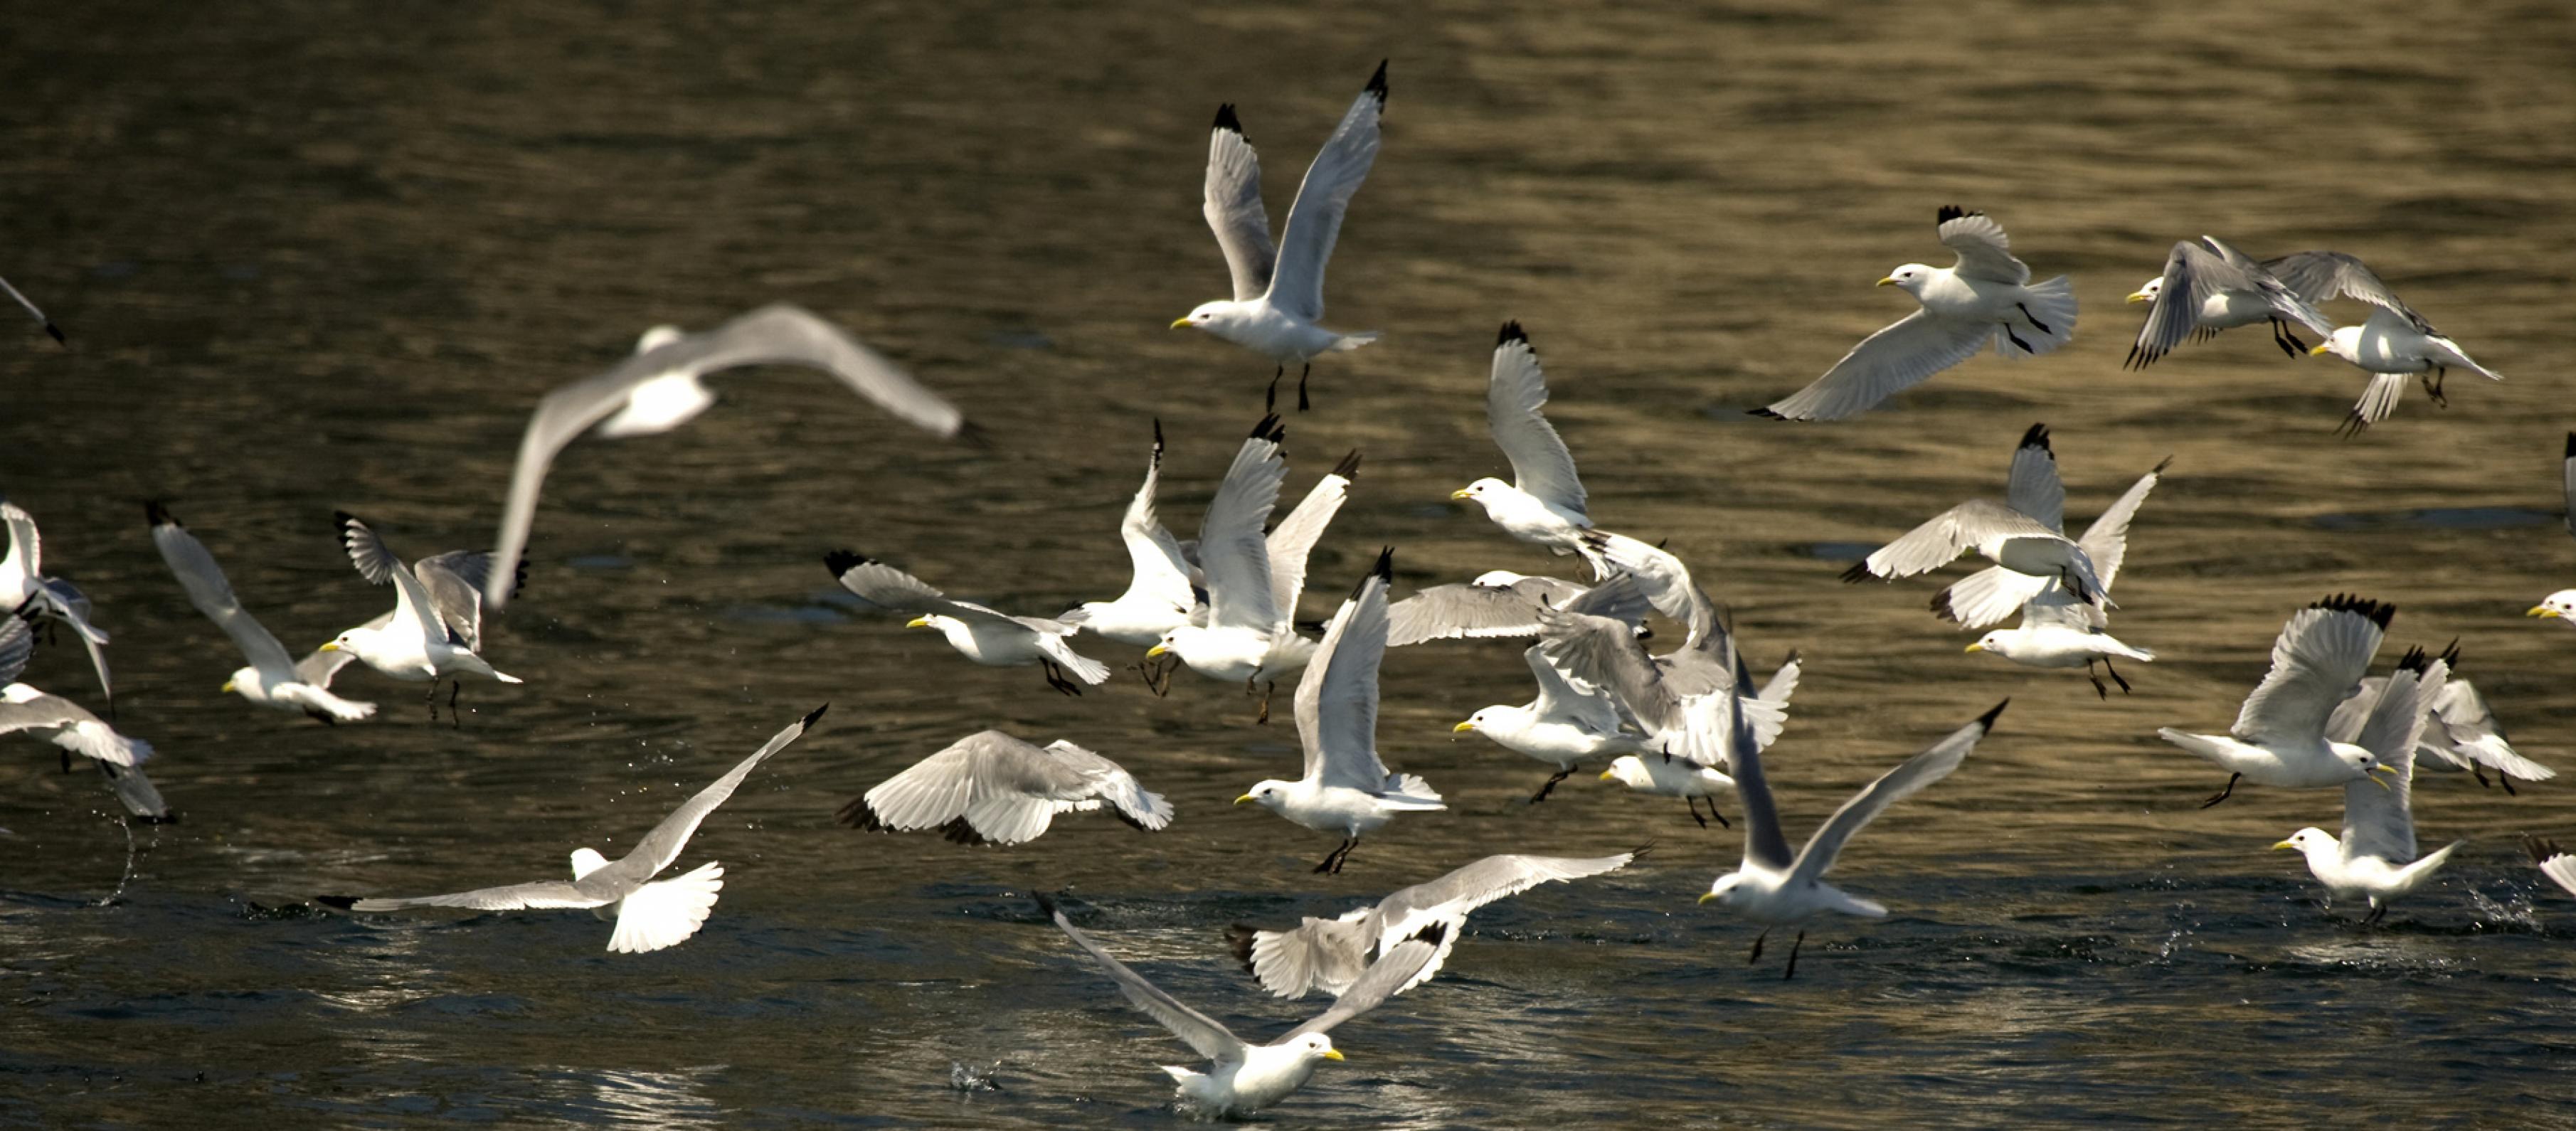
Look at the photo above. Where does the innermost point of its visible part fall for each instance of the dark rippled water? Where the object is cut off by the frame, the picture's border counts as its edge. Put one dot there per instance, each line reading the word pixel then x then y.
pixel 327 255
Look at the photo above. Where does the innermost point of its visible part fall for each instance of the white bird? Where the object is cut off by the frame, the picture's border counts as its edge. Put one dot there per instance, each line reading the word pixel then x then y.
pixel 2214 288
pixel 2375 859
pixel 2462 732
pixel 1985 296
pixel 1544 503
pixel 650 914
pixel 2024 533
pixel 1678 777
pixel 986 636
pixel 1247 633
pixel 1700 665
pixel 1776 889
pixel 2056 630
pixel 1346 789
pixel 2280 734
pixel 661 387
pixel 1159 595
pixel 1243 1077
pixel 272 679
pixel 2392 344
pixel 1565 725
pixel 991 788
pixel 22 579
pixel 2558 865
pixel 1498 604
pixel 2561 605
pixel 435 631
pixel 75 731
pixel 1278 301
pixel 1331 954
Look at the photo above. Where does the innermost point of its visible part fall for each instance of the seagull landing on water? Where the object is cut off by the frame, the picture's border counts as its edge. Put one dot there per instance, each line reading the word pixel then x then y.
pixel 1278 298
pixel 2213 288
pixel 1243 1077
pixel 650 914
pixel 1986 296
pixel 1544 503
pixel 2280 734
pixel 2375 858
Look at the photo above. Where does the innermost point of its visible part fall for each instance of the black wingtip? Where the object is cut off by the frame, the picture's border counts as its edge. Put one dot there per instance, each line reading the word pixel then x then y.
pixel 2160 466
pixel 859 815
pixel 972 435
pixel 2378 612
pixel 1987 720
pixel 2571 445
pixel 2542 849
pixel 959 832
pixel 843 561
pixel 1951 212
pixel 1158 437
pixel 1859 572
pixel 1639 853
pixel 1511 333
pixel 1239 938
pixel 1270 428
pixel 340 520
pixel 1765 413
pixel 1349 468
pixel 1384 571
pixel 1940 604
pixel 155 514
pixel 57 333
pixel 816 713
pixel 2037 437
pixel 2451 654
pixel 337 902
pixel 1377 82
pixel 1046 905
pixel 1431 934
pixel 1225 120
pixel 2413 661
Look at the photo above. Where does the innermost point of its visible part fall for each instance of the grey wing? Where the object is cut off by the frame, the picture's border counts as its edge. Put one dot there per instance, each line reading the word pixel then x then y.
pixel 1984 251
pixel 367 550
pixel 542 894
pixel 1232 551
pixel 1156 567
pixel 1989 595
pixel 318 667
pixel 2054 606
pixel 2321 653
pixel 43 711
pixel 1764 844
pixel 1662 578
pixel 17 643
pixel 212 594
pixel 660 847
pixel 1556 697
pixel 2318 276
pixel 1319 954
pixel 1951 533
pixel 1901 355
pixel 937 789
pixel 2285 303
pixel 1195 1029
pixel 1494 877
pixel 1515 394
pixel 68 603
pixel 1337 694
pixel 2174 315
pixel 135 791
pixel 1315 220
pixel 894 590
pixel 2033 487
pixel 1784 680
pixel 565 413
pixel 2377 814
pixel 1111 784
pixel 1233 206
pixel 455 582
pixel 1396 968
pixel 1453 612
pixel 2473 730
pixel 1908 778
pixel 25 543
pixel 2560 867
pixel 2106 542
pixel 1293 541
pixel 2343 724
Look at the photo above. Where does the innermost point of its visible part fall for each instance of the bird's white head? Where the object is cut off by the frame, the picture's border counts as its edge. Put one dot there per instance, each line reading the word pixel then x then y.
pixel 1316 1046
pixel 2345 343
pixel 1169 644
pixel 1481 489
pixel 1999 642
pixel 656 338
pixel 1268 794
pixel 1478 721
pixel 348 641
pixel 243 680
pixel 2560 605
pixel 1723 891
pixel 1627 770
pixel 2309 839
pixel 1215 317
pixel 931 620
pixel 1910 278
pixel 2148 293
pixel 585 861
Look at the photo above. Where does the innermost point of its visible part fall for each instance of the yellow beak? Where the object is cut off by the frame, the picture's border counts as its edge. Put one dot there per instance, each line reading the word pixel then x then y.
pixel 2541 611
pixel 228 686
pixel 333 646
pixel 2285 844
pixel 1607 775
pixel 1706 896
pixel 1463 728
pixel 2141 296
pixel 2317 350
pixel 1976 648
pixel 1181 321
pixel 1887 282
pixel 1460 493
pixel 1242 799
pixel 917 622
pixel 1157 650
pixel 1332 1054
pixel 2372 774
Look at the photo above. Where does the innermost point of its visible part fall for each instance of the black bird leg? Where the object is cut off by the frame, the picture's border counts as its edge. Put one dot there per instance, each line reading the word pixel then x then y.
pixel 1333 860
pixel 1266 689
pixel 2098 689
pixel 1693 802
pixel 432 699
pixel 2016 338
pixel 1793 956
pixel 2115 675
pixel 1302 404
pixel 67 761
pixel 453 690
pixel 2042 327
pixel 1270 400
pixel 1055 678
pixel 2433 386
pixel 2376 913
pixel 1550 787
pixel 2289 342
pixel 2507 783
pixel 2223 794
pixel 1756 956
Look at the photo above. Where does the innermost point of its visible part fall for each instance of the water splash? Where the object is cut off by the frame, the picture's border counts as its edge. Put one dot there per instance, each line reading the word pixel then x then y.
pixel 128 877
pixel 969 1079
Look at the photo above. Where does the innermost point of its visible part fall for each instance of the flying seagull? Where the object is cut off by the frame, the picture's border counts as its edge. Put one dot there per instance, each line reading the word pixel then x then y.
pixel 2213 287
pixel 986 636
pixel 435 631
pixel 22 579
pixel 1278 303
pixel 991 788
pixel 2392 344
pixel 1544 503
pixel 2375 858
pixel 2280 734
pixel 2561 605
pixel 272 679
pixel 24 709
pixel 2024 532
pixel 650 914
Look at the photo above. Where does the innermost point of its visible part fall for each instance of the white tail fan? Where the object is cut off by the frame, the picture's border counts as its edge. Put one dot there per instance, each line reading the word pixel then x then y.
pixel 667 912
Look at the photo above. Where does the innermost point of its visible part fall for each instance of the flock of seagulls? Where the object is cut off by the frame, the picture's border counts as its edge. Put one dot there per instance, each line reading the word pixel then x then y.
pixel 1692 723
